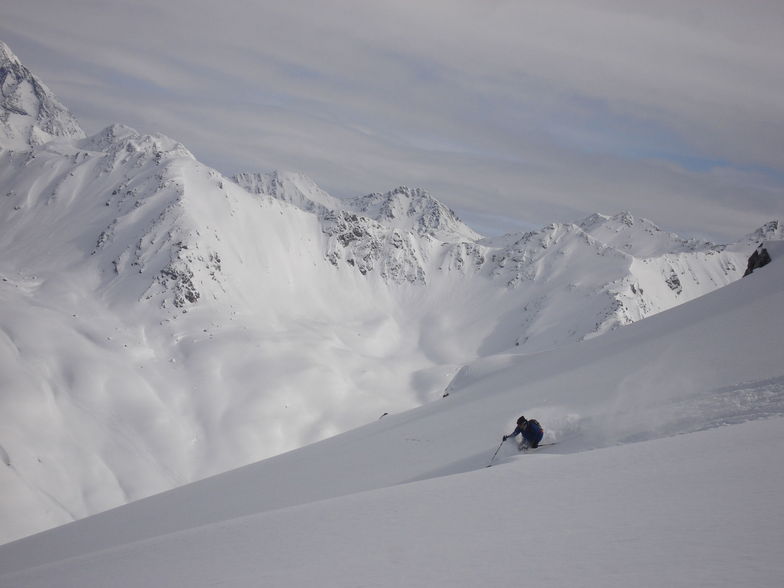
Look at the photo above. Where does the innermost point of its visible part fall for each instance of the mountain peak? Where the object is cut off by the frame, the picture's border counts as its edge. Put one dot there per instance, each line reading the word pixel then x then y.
pixel 415 210
pixel 30 113
pixel 593 220
pixel 626 218
pixel 619 220
pixel 637 236
pixel 7 56
pixel 771 231
pixel 122 142
pixel 293 187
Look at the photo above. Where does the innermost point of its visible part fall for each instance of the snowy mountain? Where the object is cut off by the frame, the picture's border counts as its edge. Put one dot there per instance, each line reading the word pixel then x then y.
pixel 30 114
pixel 403 209
pixel 291 187
pixel 668 440
pixel 394 234
pixel 161 323
pixel 414 211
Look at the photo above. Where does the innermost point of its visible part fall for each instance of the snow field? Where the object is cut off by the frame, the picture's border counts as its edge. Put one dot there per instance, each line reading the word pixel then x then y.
pixel 697 509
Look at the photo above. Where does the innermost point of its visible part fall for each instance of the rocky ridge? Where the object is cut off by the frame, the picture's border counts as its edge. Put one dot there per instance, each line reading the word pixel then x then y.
pixel 30 114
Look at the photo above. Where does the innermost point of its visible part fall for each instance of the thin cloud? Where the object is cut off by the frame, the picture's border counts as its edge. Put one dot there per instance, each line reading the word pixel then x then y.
pixel 525 111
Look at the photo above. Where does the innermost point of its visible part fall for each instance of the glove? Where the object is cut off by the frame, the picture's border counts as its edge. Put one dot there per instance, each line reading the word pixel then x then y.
pixel 505 437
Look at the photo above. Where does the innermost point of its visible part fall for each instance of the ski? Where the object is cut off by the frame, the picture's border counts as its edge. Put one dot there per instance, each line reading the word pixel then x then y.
pixel 527 449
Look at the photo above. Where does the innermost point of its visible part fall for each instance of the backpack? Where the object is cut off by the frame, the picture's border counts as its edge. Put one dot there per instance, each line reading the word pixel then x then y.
pixel 533 431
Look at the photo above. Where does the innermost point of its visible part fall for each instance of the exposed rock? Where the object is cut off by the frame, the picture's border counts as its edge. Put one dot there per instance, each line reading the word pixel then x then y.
pixel 758 259
pixel 674 283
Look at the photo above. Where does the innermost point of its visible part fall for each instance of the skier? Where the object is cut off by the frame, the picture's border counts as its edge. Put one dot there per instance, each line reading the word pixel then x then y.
pixel 530 430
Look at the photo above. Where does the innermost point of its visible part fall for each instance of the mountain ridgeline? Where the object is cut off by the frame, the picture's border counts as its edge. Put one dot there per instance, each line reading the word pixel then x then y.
pixel 149 208
pixel 177 322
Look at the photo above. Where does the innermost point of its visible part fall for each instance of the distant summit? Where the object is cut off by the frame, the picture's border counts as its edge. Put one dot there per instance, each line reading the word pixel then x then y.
pixel 637 236
pixel 407 210
pixel 414 210
pixel 770 231
pixel 292 187
pixel 30 113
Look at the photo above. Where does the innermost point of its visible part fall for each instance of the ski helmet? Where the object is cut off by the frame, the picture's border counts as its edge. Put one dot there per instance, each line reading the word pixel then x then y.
pixel 522 420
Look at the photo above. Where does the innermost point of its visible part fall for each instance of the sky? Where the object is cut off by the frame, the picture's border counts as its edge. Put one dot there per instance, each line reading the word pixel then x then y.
pixel 514 113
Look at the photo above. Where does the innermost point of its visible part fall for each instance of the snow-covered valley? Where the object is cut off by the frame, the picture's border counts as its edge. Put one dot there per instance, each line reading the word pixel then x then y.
pixel 666 468
pixel 162 323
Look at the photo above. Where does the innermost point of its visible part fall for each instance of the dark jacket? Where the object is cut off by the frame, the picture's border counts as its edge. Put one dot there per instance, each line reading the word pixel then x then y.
pixel 531 431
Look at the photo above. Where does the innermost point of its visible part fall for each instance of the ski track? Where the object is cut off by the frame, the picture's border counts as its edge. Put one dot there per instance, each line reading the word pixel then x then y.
pixel 696 412
pixel 572 433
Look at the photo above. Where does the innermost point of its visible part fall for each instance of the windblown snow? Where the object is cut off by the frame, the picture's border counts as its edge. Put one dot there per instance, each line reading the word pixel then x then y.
pixel 162 323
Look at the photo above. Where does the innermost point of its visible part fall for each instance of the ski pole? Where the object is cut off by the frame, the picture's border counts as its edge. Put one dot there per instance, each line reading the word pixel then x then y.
pixel 496 453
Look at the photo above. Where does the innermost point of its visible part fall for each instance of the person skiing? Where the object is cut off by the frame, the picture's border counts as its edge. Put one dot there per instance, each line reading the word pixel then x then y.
pixel 530 430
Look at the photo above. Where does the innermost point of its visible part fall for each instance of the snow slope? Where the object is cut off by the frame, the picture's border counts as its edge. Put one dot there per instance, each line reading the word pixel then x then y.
pixel 609 518
pixel 160 322
pixel 667 468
